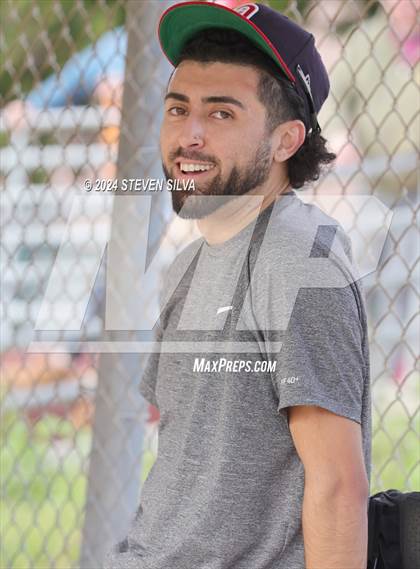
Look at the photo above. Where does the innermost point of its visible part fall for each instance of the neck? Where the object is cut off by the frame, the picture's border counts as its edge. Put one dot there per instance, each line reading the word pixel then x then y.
pixel 232 217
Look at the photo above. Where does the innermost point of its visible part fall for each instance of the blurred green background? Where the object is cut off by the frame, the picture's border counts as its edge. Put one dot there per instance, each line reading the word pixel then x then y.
pixel 43 19
pixel 45 495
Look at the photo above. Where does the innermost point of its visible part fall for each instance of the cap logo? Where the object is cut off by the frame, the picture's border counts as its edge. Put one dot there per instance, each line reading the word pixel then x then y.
pixel 305 78
pixel 247 10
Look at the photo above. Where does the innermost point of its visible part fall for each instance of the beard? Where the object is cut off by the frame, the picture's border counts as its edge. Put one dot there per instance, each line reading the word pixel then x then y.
pixel 218 192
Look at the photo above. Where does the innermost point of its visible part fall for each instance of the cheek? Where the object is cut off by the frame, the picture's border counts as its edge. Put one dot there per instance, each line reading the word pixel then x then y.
pixel 241 142
pixel 239 153
pixel 231 148
pixel 170 133
pixel 165 140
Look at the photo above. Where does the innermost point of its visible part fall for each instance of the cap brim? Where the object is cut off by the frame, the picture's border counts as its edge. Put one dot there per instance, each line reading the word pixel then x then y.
pixel 181 22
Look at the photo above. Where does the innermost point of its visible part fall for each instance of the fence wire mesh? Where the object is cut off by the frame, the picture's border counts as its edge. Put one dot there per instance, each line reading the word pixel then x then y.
pixel 81 96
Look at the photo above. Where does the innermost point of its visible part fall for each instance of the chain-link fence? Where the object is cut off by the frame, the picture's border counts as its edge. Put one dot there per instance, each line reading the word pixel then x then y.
pixel 81 89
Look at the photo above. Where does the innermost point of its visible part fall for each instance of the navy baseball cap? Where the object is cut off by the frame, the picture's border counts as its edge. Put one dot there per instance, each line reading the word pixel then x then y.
pixel 291 47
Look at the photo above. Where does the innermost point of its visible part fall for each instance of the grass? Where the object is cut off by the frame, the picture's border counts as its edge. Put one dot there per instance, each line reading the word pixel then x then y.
pixel 43 491
pixel 396 452
pixel 43 496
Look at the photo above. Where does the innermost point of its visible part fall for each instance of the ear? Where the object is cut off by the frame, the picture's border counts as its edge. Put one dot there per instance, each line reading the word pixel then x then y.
pixel 287 138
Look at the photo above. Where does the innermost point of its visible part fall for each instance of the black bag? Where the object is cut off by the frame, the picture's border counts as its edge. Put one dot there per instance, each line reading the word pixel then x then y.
pixel 394 530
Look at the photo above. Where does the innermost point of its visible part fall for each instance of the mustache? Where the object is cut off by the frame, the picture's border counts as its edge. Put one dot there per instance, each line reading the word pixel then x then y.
pixel 192 155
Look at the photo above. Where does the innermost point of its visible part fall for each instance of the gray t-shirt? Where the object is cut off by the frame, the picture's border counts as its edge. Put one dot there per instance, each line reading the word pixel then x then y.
pixel 227 486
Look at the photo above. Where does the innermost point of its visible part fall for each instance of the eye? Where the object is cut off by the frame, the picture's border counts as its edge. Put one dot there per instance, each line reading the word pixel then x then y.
pixel 222 115
pixel 176 111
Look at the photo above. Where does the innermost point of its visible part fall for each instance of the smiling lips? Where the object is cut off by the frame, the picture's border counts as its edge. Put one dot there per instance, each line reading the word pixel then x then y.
pixel 185 167
pixel 193 167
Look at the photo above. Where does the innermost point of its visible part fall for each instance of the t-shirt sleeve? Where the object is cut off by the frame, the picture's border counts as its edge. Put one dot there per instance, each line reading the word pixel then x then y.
pixel 317 336
pixel 322 360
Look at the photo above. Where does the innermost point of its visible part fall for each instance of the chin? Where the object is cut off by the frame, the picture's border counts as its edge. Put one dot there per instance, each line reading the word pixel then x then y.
pixel 198 207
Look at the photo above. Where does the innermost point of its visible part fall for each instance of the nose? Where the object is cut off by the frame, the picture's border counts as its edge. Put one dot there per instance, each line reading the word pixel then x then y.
pixel 192 134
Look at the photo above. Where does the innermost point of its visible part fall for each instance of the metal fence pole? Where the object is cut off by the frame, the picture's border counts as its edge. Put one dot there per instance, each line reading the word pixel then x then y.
pixel 120 413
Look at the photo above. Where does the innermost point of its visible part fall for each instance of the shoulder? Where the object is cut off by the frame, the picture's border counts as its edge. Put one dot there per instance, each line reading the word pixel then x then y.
pixel 304 249
pixel 295 229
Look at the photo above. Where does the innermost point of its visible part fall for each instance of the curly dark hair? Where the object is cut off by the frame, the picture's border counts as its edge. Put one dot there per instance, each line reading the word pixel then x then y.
pixel 280 99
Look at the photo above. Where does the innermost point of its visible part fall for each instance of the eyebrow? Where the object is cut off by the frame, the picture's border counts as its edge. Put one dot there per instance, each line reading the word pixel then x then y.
pixel 177 96
pixel 206 100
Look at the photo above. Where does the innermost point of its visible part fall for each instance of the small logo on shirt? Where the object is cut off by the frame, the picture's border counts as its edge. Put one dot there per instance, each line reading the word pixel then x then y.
pixel 305 78
pixel 223 309
pixel 292 379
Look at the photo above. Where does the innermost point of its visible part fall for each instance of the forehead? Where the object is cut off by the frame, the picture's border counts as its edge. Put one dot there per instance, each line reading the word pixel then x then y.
pixel 195 78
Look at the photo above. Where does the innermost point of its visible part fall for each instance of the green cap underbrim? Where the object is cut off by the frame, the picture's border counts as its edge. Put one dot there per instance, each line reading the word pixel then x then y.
pixel 183 21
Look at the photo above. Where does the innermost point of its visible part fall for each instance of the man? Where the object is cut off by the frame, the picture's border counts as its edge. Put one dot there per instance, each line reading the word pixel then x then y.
pixel 264 434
